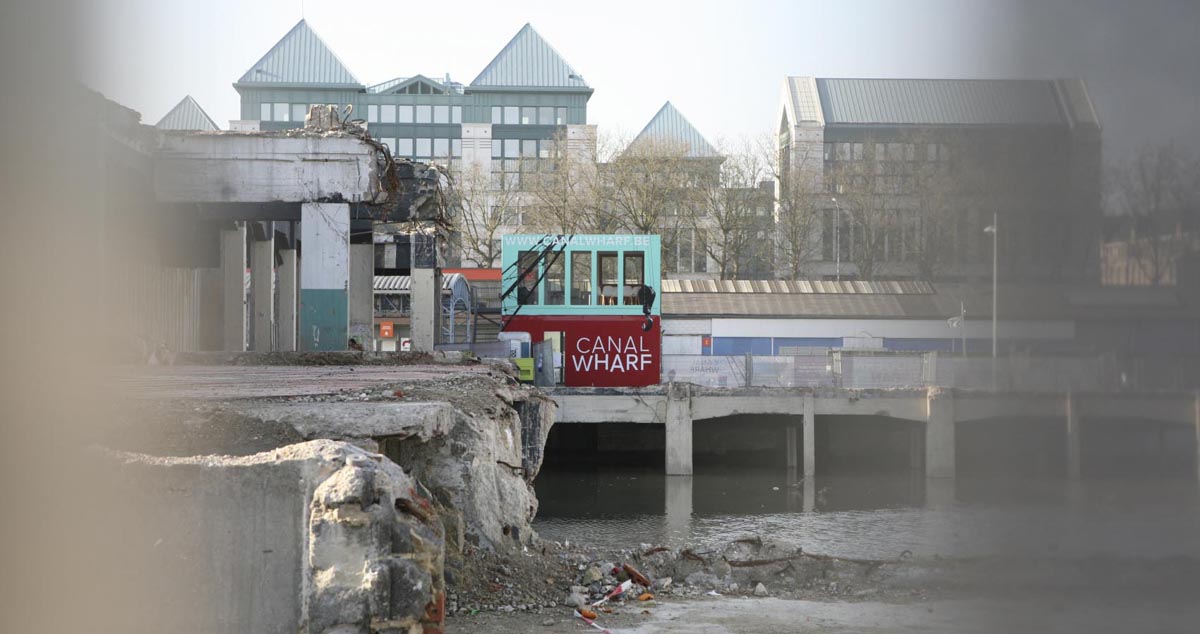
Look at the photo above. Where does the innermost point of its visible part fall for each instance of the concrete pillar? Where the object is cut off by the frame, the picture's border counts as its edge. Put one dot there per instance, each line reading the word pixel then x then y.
pixel 287 301
pixel 362 294
pixel 939 434
pixel 791 441
pixel 679 509
pixel 810 436
pixel 810 494
pixel 426 293
pixel 233 287
pixel 1196 426
pixel 324 276
pixel 679 430
pixel 939 493
pixel 1072 416
pixel 262 290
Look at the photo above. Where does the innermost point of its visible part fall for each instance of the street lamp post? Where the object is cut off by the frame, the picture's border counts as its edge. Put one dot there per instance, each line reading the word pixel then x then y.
pixel 994 229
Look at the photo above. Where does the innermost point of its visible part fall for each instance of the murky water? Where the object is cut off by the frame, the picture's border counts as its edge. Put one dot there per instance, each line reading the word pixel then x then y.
pixel 874 516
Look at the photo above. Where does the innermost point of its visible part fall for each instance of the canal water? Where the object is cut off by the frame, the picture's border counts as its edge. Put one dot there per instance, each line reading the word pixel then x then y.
pixel 875 516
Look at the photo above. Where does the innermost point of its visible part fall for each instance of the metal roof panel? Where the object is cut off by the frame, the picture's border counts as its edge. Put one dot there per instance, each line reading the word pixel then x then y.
pixel 939 101
pixel 187 115
pixel 529 61
pixel 670 126
pixel 300 57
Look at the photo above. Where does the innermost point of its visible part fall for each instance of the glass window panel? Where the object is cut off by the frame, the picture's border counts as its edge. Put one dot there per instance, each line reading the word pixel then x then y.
pixel 512 148
pixel 264 112
pixel 527 272
pixel 404 114
pixel 441 148
pixel 608 277
pixel 456 148
pixel 281 112
pixel 512 180
pixel 373 113
pixel 497 114
pixel 528 115
pixel 581 278
pixel 441 114
pixel 560 116
pixel 544 149
pixel 404 147
pixel 497 148
pixel 424 114
pixel 546 115
pixel 456 114
pixel 424 147
pixel 529 148
pixel 555 281
pixel 387 113
pixel 634 277
pixel 299 111
pixel 510 115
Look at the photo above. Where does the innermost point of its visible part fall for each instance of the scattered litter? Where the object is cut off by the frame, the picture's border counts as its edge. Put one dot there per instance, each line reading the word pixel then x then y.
pixel 625 585
pixel 591 621
pixel 713 593
pixel 645 596
pixel 636 576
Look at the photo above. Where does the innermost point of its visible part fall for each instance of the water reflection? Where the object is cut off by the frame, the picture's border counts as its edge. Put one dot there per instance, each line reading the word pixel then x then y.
pixel 876 515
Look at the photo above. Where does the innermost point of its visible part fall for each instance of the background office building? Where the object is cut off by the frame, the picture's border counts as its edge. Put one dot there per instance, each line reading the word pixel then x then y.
pixel 524 104
pixel 906 174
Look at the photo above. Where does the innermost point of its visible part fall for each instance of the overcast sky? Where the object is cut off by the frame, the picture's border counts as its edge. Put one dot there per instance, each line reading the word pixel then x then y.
pixel 721 63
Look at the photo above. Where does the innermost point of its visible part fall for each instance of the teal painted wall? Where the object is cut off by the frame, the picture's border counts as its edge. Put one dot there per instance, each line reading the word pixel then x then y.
pixel 324 319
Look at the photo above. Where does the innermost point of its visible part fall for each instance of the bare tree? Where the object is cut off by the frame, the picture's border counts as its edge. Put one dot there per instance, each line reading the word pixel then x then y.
pixel 484 211
pixel 562 187
pixel 726 216
pixel 650 188
pixel 1157 193
pixel 800 205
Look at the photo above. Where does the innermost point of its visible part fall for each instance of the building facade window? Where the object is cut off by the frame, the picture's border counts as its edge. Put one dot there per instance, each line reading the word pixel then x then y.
pixel 441 148
pixel 512 115
pixel 404 147
pixel 387 113
pixel 404 114
pixel 424 114
pixel 497 115
pixel 264 112
pixel 299 112
pixel 456 148
pixel 528 115
pixel 373 113
pixel 441 114
pixel 560 114
pixel 497 148
pixel 546 115
pixel 280 112
pixel 455 114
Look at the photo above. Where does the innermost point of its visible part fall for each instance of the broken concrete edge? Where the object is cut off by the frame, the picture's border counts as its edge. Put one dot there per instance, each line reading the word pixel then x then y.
pixel 372 546
pixel 360 421
pixel 343 358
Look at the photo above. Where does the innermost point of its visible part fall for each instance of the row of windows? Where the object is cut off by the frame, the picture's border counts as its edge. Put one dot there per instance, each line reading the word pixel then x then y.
pixel 521 148
pixel 283 112
pixel 388 113
pixel 529 115
pixel 887 151
pixel 424 148
pixel 612 290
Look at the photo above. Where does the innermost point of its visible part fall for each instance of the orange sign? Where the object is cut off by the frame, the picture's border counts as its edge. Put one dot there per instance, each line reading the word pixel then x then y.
pixel 386 330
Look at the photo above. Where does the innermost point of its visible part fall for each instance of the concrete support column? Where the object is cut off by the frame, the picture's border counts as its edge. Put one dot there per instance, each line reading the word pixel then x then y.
pixel 679 430
pixel 792 441
pixel 1072 415
pixel 1196 426
pixel 939 434
pixel 810 436
pixel 287 280
pixel 233 287
pixel 426 294
pixel 324 276
pixel 262 290
pixel 679 509
pixel 362 294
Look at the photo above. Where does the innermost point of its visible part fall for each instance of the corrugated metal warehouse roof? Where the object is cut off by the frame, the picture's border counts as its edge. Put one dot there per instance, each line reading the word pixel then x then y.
pixel 670 126
pixel 400 284
pixel 187 115
pixel 529 61
pixel 300 57
pixel 851 287
pixel 940 101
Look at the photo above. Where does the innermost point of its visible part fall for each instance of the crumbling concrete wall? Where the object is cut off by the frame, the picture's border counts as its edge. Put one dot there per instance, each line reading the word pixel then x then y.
pixel 321 537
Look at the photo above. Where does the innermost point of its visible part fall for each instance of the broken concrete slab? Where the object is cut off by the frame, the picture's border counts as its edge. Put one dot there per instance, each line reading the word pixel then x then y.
pixel 315 537
pixel 358 421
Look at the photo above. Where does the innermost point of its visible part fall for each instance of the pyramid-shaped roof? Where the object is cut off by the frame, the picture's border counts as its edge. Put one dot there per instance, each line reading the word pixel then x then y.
pixel 528 61
pixel 670 126
pixel 301 58
pixel 187 115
